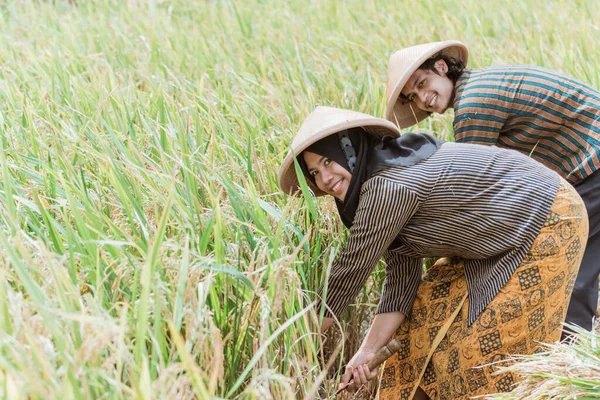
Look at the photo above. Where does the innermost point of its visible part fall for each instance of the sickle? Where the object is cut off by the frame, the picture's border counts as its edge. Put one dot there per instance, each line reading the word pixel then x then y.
pixel 382 354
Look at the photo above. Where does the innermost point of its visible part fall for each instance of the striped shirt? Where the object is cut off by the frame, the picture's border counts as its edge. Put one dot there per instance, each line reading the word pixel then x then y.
pixel 553 118
pixel 481 203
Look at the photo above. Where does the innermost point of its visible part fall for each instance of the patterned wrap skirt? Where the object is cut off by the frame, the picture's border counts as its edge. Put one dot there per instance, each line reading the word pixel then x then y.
pixel 449 359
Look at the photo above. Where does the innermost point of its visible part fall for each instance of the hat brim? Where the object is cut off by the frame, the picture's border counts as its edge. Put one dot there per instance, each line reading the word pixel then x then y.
pixel 402 113
pixel 288 180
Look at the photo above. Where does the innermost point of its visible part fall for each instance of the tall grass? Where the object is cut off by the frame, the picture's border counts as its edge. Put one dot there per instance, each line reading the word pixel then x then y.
pixel 146 249
pixel 568 370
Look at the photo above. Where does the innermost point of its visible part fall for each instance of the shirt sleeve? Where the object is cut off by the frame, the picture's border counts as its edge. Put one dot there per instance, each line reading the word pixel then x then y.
pixel 383 210
pixel 402 279
pixel 480 113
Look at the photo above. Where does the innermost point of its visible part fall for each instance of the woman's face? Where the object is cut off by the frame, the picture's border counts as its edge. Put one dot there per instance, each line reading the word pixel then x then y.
pixel 329 176
pixel 430 91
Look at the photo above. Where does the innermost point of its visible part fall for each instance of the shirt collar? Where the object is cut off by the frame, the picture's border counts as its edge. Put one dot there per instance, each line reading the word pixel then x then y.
pixel 460 86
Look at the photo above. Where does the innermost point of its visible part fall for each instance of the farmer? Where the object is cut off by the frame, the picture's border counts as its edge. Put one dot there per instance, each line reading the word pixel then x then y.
pixel 545 115
pixel 518 228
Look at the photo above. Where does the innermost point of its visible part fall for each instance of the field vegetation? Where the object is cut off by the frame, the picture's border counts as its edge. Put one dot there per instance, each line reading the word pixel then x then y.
pixel 147 251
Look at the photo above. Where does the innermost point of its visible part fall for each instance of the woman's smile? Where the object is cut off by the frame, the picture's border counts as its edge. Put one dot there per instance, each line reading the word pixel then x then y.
pixel 329 176
pixel 337 186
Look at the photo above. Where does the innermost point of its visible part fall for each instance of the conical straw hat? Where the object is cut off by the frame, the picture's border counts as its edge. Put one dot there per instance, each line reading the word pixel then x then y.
pixel 320 123
pixel 403 63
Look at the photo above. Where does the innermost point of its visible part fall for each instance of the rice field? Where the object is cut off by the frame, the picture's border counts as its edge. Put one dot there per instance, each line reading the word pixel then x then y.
pixel 147 252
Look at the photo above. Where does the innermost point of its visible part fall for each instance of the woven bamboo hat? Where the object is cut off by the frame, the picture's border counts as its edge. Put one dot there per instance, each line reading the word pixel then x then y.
pixel 403 63
pixel 320 123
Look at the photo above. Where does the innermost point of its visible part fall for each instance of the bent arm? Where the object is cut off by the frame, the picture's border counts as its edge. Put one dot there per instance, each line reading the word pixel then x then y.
pixel 384 208
pixel 403 276
pixel 326 323
pixel 382 330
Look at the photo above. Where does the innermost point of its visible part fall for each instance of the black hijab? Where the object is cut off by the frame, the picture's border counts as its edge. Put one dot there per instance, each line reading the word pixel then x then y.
pixel 363 155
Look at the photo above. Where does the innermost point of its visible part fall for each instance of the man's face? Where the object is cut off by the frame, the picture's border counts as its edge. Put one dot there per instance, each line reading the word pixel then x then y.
pixel 430 91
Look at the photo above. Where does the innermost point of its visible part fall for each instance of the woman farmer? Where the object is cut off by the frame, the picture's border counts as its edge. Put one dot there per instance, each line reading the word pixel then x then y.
pixel 550 117
pixel 518 228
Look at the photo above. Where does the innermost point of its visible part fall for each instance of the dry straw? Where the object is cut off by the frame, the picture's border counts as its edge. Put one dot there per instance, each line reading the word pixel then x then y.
pixel 564 371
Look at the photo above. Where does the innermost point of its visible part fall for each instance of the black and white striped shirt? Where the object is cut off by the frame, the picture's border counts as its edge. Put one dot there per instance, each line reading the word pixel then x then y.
pixel 483 204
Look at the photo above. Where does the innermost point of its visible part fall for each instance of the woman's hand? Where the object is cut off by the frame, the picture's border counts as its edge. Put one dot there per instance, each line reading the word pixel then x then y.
pixel 381 331
pixel 358 371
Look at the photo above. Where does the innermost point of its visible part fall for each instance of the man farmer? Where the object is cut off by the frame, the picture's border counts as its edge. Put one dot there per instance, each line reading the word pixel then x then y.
pixel 548 116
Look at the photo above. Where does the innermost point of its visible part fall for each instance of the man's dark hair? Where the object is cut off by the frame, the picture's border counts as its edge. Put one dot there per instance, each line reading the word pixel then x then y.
pixel 455 66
